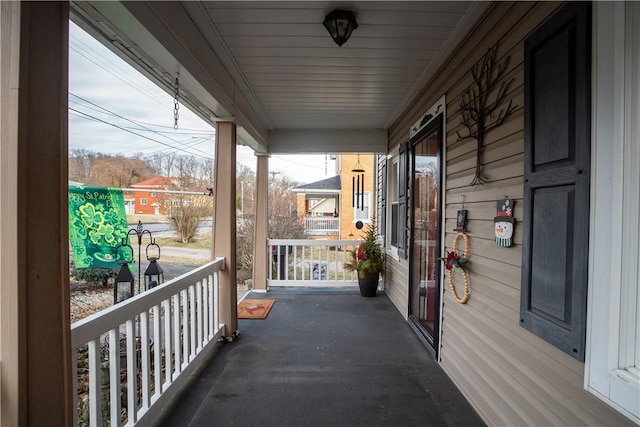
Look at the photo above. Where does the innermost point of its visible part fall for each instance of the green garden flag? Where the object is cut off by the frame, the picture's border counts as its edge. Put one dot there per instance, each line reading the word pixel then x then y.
pixel 97 225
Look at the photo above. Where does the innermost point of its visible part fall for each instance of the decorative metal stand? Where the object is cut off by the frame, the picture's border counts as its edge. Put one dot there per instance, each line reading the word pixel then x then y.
pixel 153 275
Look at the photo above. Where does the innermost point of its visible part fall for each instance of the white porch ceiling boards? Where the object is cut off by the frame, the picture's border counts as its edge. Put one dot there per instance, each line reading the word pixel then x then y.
pixel 275 68
pixel 302 79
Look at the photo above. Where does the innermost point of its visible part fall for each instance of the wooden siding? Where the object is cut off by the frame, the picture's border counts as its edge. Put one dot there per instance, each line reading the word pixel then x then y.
pixel 511 376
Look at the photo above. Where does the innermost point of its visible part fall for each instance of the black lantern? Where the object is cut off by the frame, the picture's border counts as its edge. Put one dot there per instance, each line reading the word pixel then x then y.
pixel 340 24
pixel 123 288
pixel 124 283
pixel 153 275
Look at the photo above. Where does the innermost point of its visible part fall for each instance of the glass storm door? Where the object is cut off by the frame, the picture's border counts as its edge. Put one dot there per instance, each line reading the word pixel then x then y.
pixel 424 294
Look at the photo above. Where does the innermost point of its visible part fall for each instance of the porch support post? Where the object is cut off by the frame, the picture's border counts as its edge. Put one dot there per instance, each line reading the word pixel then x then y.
pixel 260 261
pixel 224 223
pixel 35 346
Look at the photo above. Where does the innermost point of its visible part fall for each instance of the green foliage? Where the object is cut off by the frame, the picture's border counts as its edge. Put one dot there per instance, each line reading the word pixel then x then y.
pixel 95 276
pixel 369 256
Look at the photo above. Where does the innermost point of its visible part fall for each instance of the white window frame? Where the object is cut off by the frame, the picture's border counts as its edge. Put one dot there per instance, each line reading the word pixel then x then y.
pixel 358 211
pixel 143 201
pixel 393 182
pixel 613 309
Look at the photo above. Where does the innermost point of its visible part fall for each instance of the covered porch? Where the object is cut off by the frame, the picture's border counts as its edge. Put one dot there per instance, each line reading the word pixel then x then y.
pixel 268 76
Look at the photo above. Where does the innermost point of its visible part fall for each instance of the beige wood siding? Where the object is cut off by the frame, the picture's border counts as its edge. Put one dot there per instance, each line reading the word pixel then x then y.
pixel 395 284
pixel 511 376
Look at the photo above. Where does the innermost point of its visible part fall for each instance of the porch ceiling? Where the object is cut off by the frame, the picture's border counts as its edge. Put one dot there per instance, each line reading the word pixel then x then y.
pixel 272 67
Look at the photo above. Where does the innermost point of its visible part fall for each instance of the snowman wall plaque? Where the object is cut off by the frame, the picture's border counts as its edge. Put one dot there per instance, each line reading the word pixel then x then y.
pixel 504 222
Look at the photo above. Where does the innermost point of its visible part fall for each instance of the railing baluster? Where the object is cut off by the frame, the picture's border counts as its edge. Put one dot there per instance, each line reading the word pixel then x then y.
pixel 132 386
pixel 185 327
pixel 114 376
pixel 270 258
pixel 94 383
pixel 205 311
pixel 199 315
pixel 145 365
pixel 192 324
pixel 304 263
pixel 177 331
pixel 295 262
pixel 212 321
pixel 216 303
pixel 168 347
pixel 157 352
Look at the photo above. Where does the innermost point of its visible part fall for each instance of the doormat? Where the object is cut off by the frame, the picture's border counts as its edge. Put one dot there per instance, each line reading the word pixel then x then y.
pixel 254 308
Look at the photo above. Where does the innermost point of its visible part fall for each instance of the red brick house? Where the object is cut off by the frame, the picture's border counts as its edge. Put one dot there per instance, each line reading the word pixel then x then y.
pixel 150 202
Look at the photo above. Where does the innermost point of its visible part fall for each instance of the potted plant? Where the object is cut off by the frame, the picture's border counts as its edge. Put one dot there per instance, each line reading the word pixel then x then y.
pixel 368 259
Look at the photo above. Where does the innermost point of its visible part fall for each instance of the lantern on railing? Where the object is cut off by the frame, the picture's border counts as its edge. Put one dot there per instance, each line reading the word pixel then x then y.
pixel 153 275
pixel 124 282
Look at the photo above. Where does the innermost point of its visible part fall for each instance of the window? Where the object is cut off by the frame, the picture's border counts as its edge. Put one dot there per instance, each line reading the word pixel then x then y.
pixel 154 194
pixel 362 213
pixel 612 369
pixel 392 200
pixel 143 201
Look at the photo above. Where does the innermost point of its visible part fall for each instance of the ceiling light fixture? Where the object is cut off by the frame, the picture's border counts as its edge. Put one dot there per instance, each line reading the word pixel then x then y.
pixel 340 24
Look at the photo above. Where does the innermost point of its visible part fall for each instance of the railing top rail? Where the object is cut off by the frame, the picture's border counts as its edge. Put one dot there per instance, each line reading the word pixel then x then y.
pixel 88 328
pixel 311 242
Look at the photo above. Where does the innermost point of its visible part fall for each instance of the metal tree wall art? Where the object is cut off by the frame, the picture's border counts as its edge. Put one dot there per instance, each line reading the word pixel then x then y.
pixel 480 104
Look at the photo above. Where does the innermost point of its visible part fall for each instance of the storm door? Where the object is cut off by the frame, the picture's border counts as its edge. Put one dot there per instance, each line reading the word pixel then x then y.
pixel 426 188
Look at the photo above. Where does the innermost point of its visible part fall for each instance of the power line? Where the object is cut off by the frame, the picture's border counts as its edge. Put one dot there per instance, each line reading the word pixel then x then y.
pixel 90 117
pixel 101 109
pixel 129 120
pixel 298 163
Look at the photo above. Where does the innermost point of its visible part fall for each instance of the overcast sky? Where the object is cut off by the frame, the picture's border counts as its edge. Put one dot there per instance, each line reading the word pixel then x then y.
pixel 114 109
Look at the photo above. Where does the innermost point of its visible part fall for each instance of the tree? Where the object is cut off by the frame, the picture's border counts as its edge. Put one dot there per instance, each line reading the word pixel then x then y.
pixel 187 212
pixel 106 170
pixel 284 223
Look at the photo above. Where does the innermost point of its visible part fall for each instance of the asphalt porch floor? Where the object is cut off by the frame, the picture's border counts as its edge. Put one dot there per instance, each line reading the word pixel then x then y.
pixel 322 358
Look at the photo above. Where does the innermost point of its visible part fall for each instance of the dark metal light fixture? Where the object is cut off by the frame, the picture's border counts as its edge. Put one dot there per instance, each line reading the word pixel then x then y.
pixel 340 24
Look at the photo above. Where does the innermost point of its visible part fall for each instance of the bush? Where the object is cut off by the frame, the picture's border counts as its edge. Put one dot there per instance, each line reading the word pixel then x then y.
pixel 95 276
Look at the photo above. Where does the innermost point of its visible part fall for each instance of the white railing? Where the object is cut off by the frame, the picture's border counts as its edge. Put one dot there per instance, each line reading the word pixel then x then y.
pixel 158 336
pixel 322 226
pixel 310 262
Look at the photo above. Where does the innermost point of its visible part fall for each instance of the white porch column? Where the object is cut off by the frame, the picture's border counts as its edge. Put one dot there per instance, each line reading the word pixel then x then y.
pixel 224 223
pixel 34 250
pixel 260 261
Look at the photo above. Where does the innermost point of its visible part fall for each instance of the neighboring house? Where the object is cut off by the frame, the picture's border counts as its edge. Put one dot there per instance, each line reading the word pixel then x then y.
pixel 330 207
pixel 148 201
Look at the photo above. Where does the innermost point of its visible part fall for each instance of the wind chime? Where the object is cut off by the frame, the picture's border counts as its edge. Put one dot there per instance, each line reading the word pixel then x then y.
pixel 357 187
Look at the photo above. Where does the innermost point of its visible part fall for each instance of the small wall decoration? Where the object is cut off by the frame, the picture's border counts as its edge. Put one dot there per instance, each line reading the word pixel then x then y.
pixel 453 260
pixel 461 221
pixel 479 113
pixel 504 222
